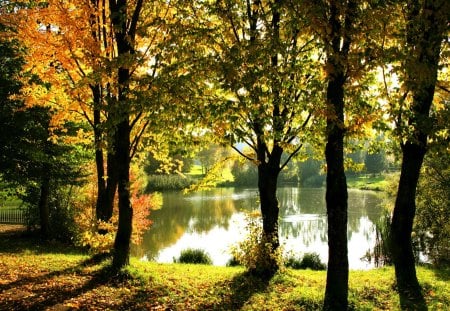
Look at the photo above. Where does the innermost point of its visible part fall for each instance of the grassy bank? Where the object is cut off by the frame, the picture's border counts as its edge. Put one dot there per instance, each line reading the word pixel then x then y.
pixel 367 182
pixel 50 276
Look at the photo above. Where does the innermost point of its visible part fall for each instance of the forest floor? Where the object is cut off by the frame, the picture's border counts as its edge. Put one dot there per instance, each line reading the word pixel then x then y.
pixel 51 276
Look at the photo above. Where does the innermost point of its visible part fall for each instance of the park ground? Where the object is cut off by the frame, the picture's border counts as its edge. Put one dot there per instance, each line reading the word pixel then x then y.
pixel 51 276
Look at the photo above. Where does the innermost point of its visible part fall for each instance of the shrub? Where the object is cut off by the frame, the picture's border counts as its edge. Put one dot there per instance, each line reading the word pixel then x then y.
pixel 312 261
pixel 233 262
pixel 309 261
pixel 255 252
pixel 195 256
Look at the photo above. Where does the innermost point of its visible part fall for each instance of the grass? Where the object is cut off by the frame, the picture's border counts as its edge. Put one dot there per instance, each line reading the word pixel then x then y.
pixel 367 182
pixel 56 277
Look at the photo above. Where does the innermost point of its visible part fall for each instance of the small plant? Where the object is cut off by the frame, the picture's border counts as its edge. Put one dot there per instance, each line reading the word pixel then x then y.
pixel 195 256
pixel 233 262
pixel 293 262
pixel 255 252
pixel 312 261
pixel 309 261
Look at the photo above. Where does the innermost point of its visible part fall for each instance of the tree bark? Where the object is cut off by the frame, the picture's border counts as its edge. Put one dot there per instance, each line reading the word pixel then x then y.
pixel 336 291
pixel 99 159
pixel 123 236
pixel 267 186
pixel 340 39
pixel 44 212
pixel 401 229
pixel 124 32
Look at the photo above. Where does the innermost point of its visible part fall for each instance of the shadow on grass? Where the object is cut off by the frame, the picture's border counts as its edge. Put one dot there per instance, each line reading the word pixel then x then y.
pixel 442 273
pixel 51 290
pixel 19 240
pixel 236 293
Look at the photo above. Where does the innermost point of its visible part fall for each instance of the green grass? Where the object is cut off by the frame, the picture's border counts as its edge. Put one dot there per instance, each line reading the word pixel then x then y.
pixel 53 276
pixel 196 171
pixel 367 182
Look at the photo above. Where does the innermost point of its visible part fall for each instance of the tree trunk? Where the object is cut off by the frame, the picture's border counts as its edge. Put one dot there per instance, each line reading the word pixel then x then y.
pixel 123 236
pixel 268 171
pixel 267 186
pixel 44 212
pixel 124 31
pixel 338 47
pixel 111 184
pixel 411 297
pixel 99 160
pixel 336 291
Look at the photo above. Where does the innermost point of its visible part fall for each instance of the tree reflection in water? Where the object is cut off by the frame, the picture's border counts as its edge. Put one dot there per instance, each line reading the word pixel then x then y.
pixel 214 220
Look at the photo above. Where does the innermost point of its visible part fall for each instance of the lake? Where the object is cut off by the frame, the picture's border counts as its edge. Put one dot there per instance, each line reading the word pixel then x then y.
pixel 214 220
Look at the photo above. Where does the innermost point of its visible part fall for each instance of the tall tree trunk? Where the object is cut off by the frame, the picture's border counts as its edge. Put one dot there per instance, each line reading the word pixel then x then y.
pixel 336 291
pixel 100 206
pixel 123 236
pixel 427 23
pixel 125 31
pixel 411 297
pixel 340 39
pixel 44 212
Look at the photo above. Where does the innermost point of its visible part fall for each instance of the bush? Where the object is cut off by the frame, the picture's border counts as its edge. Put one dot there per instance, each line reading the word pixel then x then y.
pixel 233 262
pixel 255 252
pixel 195 256
pixel 309 261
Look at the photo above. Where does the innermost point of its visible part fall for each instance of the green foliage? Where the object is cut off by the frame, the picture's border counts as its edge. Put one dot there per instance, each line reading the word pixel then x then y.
pixel 309 261
pixel 255 252
pixel 310 173
pixel 432 224
pixel 167 182
pixel 195 256
pixel 368 182
pixel 375 162
pixel 62 225
pixel 245 174
pixel 233 262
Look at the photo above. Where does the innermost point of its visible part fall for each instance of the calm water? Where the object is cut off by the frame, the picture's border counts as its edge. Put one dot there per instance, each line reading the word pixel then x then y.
pixel 214 220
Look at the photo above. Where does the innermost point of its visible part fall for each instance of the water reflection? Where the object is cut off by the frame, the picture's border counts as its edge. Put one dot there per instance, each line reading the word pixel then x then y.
pixel 214 220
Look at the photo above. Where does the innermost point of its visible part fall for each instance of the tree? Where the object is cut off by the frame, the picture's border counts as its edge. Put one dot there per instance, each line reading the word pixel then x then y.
pixel 426 26
pixel 30 154
pixel 347 41
pixel 107 72
pixel 337 47
pixel 265 91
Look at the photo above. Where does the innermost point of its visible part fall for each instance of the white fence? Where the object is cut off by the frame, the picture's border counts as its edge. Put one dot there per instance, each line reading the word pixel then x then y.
pixel 12 216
